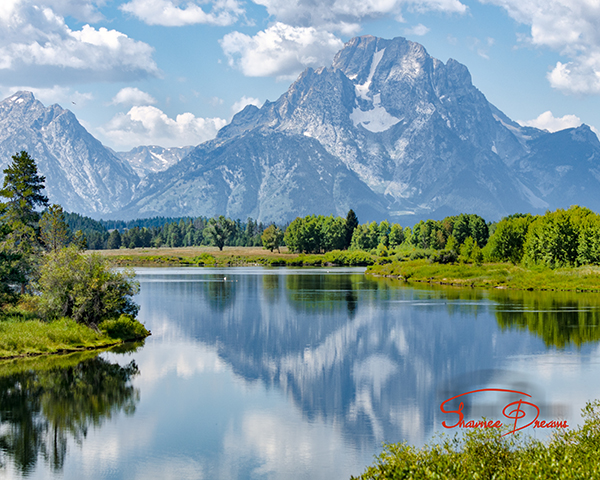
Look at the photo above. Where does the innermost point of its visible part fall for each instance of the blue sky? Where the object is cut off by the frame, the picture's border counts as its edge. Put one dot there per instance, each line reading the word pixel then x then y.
pixel 171 73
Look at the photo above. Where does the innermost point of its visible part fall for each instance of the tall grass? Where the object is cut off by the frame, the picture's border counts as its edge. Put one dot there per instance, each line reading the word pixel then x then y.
pixel 586 278
pixel 21 335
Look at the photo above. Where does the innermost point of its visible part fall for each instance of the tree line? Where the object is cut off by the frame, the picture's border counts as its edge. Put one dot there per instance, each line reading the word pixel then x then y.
pixel 166 232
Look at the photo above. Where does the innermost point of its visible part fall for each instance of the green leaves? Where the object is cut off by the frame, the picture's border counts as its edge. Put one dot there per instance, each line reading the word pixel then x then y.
pixel 83 287
pixel 272 237
pixel 219 231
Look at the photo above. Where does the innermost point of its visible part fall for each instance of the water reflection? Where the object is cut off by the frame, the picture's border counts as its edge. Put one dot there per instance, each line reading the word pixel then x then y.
pixel 559 318
pixel 46 402
pixel 267 373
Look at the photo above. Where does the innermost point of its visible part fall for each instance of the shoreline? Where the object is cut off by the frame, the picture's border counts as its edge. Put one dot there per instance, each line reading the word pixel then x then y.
pixel 66 351
pixel 500 276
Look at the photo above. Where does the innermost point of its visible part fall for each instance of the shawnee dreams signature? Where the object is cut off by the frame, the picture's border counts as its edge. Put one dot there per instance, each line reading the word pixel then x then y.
pixel 516 411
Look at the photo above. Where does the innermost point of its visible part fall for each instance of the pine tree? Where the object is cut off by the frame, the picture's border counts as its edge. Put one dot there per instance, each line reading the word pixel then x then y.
pixel 351 224
pixel 19 217
pixel 54 231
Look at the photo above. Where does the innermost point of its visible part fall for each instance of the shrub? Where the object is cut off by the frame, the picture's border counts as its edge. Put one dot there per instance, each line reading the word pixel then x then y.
pixel 444 256
pixel 125 328
pixel 84 287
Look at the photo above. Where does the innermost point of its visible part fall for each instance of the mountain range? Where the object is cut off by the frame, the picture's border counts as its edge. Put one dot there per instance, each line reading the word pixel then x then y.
pixel 386 130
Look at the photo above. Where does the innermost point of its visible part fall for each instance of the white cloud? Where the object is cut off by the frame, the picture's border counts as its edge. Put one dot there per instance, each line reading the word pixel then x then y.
pixel 169 13
pixel 243 103
pixel 132 96
pixel 569 27
pixel 147 125
pixel 547 121
pixel 345 15
pixel 418 30
pixel 37 47
pixel 281 50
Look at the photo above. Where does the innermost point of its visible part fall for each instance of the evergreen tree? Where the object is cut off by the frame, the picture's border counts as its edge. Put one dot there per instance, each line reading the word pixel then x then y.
pixel 54 231
pixel 351 224
pixel 19 218
pixel 114 240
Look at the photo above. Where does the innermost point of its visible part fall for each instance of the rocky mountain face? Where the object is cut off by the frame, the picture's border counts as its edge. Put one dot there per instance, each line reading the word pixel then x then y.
pixel 81 174
pixel 386 130
pixel 152 158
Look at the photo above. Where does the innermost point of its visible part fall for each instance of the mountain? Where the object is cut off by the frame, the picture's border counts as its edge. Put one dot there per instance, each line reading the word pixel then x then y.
pixel 386 130
pixel 152 158
pixel 81 174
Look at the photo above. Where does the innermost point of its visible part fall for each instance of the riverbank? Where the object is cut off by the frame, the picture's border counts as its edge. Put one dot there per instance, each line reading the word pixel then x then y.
pixel 230 257
pixel 24 335
pixel 492 275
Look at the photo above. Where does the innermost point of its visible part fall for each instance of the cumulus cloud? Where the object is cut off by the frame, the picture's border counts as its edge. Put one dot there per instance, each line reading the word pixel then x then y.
pixel 547 121
pixel 569 27
pixel 38 48
pixel 282 51
pixel 346 15
pixel 243 103
pixel 147 125
pixel 132 96
pixel 169 12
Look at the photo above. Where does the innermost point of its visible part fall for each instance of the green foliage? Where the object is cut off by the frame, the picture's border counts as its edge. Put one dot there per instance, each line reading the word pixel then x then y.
pixel 552 240
pixel 23 191
pixel 444 256
pixel 305 235
pixel 83 287
pixel 218 231
pixel 508 240
pixel 486 454
pixel 19 337
pixel 588 250
pixel 333 231
pixel 114 240
pixel 272 238
pixel 124 328
pixel 396 236
pixel 382 250
pixel 351 224
pixel 19 237
pixel 54 230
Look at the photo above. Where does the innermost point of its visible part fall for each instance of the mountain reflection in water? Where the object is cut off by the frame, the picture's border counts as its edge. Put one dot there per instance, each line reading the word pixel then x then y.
pixel 294 373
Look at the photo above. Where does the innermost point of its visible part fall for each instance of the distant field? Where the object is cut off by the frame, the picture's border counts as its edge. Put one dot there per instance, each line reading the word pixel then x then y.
pixel 196 251
pixel 231 256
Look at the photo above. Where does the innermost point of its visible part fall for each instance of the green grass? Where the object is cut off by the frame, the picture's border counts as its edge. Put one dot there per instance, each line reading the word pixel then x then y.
pixel 496 275
pixel 237 257
pixel 22 335
pixel 485 454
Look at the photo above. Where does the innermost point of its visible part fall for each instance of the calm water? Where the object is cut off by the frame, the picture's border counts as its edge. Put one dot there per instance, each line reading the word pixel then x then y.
pixel 291 374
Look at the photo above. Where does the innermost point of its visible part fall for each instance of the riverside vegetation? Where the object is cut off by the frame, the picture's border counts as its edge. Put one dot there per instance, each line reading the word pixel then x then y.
pixel 53 297
pixel 486 454
pixel 556 251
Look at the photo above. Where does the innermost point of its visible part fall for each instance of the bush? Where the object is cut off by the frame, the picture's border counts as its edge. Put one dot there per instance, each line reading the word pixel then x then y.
pixel 484 453
pixel 84 287
pixel 418 254
pixel 125 328
pixel 444 256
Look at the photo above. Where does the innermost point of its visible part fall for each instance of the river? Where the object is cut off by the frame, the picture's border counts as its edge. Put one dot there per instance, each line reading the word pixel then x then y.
pixel 272 373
